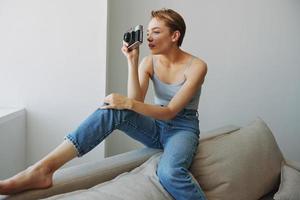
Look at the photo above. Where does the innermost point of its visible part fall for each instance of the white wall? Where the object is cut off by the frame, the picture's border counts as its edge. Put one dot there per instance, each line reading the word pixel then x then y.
pixel 252 50
pixel 13 140
pixel 53 62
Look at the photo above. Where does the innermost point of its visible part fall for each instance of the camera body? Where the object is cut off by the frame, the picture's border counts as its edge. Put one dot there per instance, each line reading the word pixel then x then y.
pixel 134 37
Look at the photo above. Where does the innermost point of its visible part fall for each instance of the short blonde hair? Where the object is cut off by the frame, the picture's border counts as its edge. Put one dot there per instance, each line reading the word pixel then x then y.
pixel 172 19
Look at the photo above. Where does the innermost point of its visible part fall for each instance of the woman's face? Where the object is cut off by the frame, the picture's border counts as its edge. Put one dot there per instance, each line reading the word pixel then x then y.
pixel 159 36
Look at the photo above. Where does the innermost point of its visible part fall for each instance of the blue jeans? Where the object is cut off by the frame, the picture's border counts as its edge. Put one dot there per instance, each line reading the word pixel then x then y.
pixel 178 138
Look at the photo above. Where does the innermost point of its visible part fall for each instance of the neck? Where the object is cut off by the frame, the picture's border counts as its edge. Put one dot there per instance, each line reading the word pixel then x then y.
pixel 171 56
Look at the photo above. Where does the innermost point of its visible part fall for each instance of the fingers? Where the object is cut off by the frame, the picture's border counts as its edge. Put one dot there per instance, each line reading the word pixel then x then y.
pixel 124 49
pixel 108 102
pixel 125 43
pixel 125 46
pixel 107 107
pixel 115 101
pixel 129 53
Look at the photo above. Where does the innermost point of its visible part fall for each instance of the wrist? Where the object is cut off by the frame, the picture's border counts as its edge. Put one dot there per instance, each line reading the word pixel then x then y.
pixel 130 104
pixel 132 61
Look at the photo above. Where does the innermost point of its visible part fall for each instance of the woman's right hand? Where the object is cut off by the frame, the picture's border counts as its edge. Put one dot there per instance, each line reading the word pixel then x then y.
pixel 130 54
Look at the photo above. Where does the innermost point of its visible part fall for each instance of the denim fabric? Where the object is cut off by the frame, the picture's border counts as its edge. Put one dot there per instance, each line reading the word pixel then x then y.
pixel 178 138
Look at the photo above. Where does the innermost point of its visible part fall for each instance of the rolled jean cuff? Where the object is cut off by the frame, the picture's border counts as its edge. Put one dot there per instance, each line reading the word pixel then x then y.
pixel 75 144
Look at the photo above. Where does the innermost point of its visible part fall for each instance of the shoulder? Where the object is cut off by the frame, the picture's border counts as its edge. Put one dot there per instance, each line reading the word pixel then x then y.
pixel 198 67
pixel 197 71
pixel 147 59
pixel 199 64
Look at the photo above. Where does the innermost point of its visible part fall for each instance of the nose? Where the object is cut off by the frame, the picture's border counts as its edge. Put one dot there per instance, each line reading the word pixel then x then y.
pixel 149 38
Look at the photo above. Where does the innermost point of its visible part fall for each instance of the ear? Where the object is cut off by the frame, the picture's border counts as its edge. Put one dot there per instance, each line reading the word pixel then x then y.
pixel 175 36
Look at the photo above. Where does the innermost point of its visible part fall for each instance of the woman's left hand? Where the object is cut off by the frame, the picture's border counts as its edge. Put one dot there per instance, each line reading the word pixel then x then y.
pixel 117 101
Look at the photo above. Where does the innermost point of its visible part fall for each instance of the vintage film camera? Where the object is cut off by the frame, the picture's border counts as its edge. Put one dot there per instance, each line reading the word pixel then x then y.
pixel 134 37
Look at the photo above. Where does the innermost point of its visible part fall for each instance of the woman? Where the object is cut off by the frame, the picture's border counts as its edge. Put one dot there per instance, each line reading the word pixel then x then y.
pixel 170 124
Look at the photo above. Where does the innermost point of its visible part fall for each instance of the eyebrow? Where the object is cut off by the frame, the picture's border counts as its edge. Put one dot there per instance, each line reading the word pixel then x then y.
pixel 153 28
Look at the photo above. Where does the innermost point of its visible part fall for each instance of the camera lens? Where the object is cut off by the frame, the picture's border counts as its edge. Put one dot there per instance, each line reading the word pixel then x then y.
pixel 127 37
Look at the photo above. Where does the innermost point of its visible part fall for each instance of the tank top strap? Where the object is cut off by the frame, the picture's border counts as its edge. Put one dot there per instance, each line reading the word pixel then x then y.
pixel 154 64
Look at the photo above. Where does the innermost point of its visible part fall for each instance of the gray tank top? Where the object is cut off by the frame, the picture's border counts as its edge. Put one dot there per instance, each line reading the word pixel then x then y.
pixel 164 92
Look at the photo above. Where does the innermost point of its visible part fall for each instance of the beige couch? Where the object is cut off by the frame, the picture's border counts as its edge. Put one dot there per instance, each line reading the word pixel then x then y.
pixel 231 163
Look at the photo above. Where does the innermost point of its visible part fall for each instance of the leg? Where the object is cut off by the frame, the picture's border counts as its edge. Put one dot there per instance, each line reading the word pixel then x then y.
pixel 102 122
pixel 89 134
pixel 172 171
pixel 40 174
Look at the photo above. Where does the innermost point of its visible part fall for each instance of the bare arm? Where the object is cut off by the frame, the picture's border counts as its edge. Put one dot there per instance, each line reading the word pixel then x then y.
pixel 195 78
pixel 138 75
pixel 138 79
pixel 133 84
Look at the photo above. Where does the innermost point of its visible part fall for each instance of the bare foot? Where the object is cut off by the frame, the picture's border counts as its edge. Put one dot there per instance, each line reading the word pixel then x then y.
pixel 33 177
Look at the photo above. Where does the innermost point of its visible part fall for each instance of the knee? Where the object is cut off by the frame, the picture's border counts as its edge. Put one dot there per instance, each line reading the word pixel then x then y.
pixel 168 175
pixel 117 116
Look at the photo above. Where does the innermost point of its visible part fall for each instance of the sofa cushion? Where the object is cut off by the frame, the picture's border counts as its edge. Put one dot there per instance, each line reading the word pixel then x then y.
pixel 289 184
pixel 244 164
pixel 141 183
pixel 217 132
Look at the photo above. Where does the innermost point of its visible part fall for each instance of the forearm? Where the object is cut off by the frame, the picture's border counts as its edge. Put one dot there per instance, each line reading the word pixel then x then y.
pixel 157 112
pixel 133 84
pixel 117 101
